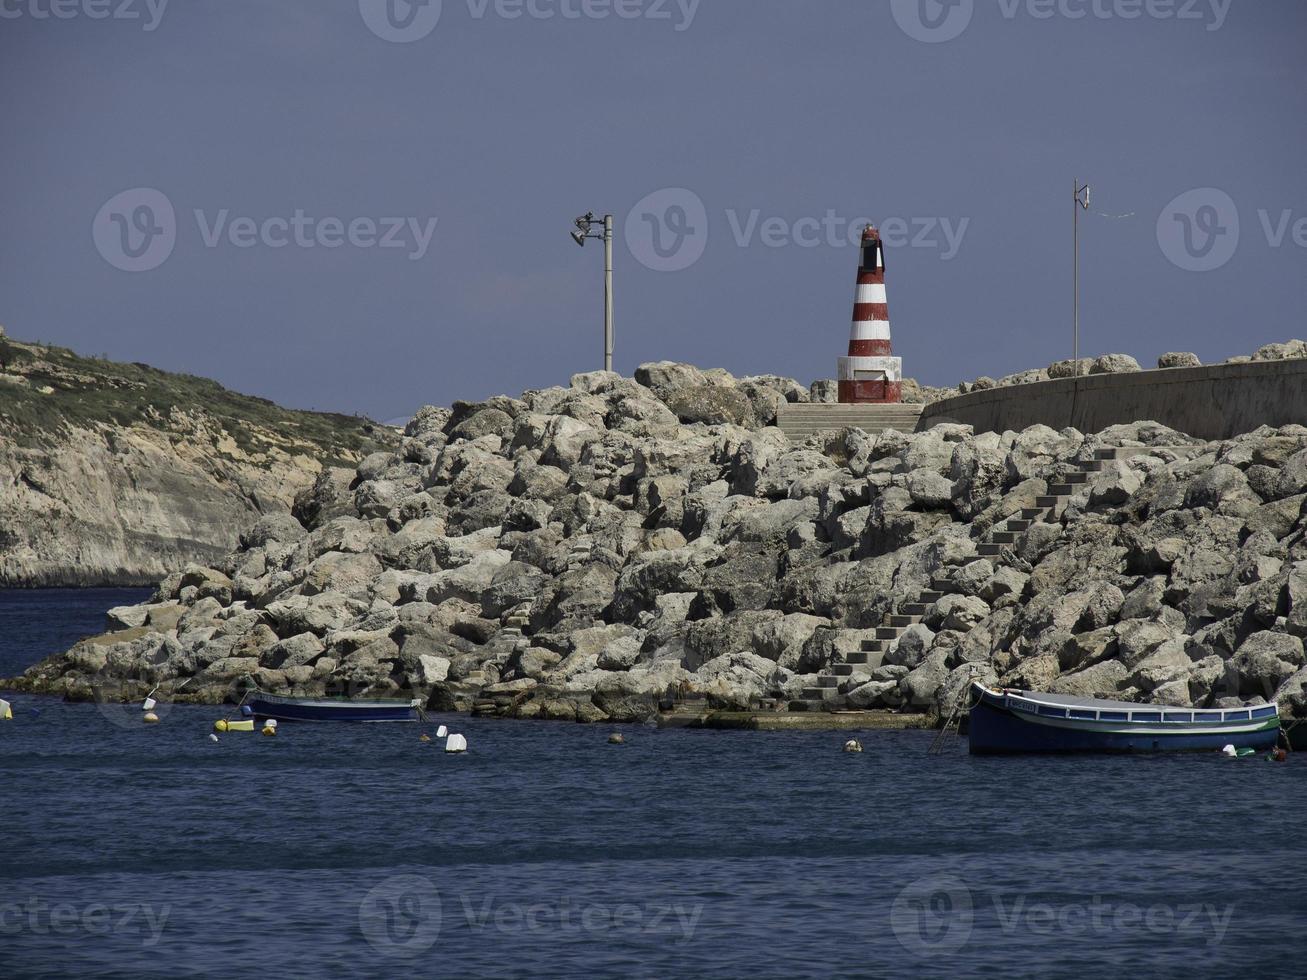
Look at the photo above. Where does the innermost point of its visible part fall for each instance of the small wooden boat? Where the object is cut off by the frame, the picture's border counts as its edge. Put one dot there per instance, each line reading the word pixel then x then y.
pixel 1005 721
pixel 284 708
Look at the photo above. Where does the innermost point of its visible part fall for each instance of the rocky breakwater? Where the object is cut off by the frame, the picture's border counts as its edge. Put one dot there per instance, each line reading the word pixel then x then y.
pixel 592 552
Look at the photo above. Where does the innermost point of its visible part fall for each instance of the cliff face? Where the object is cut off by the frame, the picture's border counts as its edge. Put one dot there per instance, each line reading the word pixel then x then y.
pixel 117 474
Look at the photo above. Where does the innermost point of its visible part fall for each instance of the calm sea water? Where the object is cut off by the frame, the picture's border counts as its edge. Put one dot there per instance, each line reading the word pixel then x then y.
pixel 136 851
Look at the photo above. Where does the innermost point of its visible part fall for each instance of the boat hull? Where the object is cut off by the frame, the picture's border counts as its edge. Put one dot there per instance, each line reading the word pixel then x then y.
pixel 308 709
pixel 998 728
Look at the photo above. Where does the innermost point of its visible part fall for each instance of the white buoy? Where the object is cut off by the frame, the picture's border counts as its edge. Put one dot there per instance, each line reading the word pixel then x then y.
pixel 6 712
pixel 853 745
pixel 150 718
pixel 1230 752
pixel 442 731
pixel 455 743
pixel 213 737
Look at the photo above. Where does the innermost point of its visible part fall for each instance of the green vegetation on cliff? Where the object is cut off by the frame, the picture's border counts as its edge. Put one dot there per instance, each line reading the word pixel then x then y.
pixel 45 391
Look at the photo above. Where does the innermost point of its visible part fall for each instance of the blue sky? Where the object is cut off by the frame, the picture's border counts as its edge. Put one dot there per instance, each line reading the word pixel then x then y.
pixel 370 204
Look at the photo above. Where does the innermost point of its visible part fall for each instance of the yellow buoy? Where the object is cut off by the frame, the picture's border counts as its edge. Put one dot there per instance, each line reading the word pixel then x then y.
pixel 269 730
pixel 220 725
pixel 151 718
pixel 425 738
pixel 6 712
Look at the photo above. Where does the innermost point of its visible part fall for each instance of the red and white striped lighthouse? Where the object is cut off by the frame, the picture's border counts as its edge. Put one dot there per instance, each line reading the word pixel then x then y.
pixel 870 374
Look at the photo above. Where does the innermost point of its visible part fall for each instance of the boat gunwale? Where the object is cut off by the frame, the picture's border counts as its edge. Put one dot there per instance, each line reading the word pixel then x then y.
pixel 1004 698
pixel 331 702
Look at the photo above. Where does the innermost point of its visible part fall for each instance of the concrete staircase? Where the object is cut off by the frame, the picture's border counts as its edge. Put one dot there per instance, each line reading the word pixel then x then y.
pixel 1001 540
pixel 800 420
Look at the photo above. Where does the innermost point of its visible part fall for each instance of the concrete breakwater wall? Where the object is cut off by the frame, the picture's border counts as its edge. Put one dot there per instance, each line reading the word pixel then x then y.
pixel 1216 402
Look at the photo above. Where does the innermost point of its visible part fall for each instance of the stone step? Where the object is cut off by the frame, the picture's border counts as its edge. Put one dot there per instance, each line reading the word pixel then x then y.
pixel 847 668
pixel 824 680
pixel 1033 513
pixel 903 622
pixel 1048 503
pixel 931 596
pixel 1004 537
pixel 914 609
pixel 887 632
pixel 821 693
pixel 1077 479
pixel 1019 524
pixel 858 657
pixel 1061 489
pixel 989 550
pixel 1104 454
pixel 874 646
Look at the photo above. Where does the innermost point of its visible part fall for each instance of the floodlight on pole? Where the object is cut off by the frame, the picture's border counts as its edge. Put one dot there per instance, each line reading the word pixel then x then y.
pixel 1081 203
pixel 582 232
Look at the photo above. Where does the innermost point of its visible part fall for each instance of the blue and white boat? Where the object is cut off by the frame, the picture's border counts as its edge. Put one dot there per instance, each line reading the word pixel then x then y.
pixel 1005 721
pixel 260 704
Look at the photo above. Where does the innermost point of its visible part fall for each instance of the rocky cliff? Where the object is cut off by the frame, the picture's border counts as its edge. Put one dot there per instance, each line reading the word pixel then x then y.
pixel 591 551
pixel 119 473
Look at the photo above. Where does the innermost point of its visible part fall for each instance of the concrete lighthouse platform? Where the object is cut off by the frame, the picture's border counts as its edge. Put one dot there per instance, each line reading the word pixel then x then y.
pixel 800 420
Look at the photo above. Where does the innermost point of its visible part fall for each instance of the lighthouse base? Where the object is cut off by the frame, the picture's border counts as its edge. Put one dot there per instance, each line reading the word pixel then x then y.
pixel 870 392
pixel 870 380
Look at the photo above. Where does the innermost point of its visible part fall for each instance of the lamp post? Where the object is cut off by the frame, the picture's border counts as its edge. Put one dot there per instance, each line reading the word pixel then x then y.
pixel 583 231
pixel 1081 202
